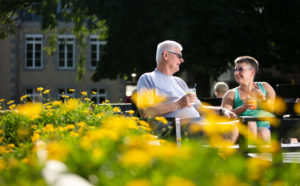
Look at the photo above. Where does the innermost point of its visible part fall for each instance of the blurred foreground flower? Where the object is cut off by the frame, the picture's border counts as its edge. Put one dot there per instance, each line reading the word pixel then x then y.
pixel 177 181
pixel 297 108
pixel 31 110
pixel 139 182
pixel 71 104
pixel 146 98
pixel 279 106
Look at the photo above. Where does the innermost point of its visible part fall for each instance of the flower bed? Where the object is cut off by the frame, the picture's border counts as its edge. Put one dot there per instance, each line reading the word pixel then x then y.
pixel 106 147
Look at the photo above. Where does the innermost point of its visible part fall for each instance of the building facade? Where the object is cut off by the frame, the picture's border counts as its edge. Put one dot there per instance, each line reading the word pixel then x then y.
pixel 25 66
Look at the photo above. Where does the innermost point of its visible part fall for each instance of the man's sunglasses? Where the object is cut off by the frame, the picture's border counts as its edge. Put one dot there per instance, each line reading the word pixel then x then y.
pixel 178 55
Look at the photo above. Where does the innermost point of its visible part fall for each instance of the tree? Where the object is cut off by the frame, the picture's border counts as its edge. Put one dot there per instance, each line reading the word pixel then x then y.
pixel 213 33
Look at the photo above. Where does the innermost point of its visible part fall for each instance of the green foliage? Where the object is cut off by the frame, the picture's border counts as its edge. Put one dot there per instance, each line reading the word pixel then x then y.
pixel 213 33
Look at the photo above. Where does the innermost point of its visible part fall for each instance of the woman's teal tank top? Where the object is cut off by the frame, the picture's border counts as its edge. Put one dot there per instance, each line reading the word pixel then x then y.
pixel 257 112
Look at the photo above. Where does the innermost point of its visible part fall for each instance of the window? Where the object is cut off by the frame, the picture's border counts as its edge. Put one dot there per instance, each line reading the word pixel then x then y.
pixel 98 95
pixel 66 52
pixel 33 51
pixel 33 94
pixel 96 46
pixel 66 93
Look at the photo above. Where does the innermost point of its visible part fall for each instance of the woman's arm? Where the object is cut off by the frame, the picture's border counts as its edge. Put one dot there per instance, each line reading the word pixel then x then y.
pixel 227 102
pixel 270 95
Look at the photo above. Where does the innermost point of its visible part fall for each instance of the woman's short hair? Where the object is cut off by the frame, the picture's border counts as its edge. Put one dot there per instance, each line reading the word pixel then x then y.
pixel 165 45
pixel 221 87
pixel 249 60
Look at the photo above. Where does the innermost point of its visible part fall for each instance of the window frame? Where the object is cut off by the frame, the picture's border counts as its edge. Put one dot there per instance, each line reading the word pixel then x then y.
pixel 98 95
pixel 98 44
pixel 34 43
pixel 60 96
pixel 66 37
pixel 35 96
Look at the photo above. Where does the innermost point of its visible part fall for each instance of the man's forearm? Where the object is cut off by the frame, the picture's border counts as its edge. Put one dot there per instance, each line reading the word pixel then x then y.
pixel 159 109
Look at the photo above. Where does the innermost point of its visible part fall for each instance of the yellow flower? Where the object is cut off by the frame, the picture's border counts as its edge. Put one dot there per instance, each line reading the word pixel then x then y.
pixel 106 101
pixel 56 103
pixel 48 128
pixel 23 97
pixel 71 104
pixel 87 99
pixel 65 96
pixel 0 107
pixel 57 151
pixel 74 134
pixel 228 180
pixel 11 145
pixel 46 91
pixel 69 127
pixel 24 160
pixel 40 89
pixel 147 98
pixel 86 111
pixel 1 131
pixel 139 182
pixel 11 107
pixel 10 102
pixel 34 126
pixel 297 108
pixel 143 123
pixel 84 93
pixel 161 119
pixel 48 107
pixel 256 167
pixel 279 106
pixel 31 110
pixel 1 100
pixel 119 123
pixel 49 114
pixel 35 137
pixel 97 153
pixel 116 109
pixel 71 90
pixel 81 124
pixel 100 115
pixel 177 181
pixel 135 157
pixel 131 112
pixel 93 92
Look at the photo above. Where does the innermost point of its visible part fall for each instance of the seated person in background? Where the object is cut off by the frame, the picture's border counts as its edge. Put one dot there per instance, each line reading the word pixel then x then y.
pixel 242 99
pixel 220 89
pixel 178 102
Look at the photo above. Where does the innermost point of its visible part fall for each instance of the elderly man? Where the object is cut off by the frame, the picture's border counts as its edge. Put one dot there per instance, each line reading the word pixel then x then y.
pixel 179 103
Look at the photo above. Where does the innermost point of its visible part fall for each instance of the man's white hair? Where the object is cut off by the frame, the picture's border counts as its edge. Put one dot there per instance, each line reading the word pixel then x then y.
pixel 165 45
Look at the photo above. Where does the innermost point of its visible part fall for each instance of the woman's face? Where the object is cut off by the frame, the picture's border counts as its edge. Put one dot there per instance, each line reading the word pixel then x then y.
pixel 244 73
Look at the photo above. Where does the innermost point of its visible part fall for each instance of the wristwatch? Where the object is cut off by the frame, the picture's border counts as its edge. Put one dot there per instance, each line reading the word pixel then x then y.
pixel 221 111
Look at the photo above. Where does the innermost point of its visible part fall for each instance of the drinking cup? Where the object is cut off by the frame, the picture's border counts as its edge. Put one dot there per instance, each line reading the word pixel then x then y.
pixel 252 103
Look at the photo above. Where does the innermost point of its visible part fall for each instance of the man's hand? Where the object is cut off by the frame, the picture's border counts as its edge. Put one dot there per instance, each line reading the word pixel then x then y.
pixel 187 100
pixel 227 113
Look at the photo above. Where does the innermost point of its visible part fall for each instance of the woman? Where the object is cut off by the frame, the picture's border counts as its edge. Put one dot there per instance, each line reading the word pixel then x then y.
pixel 242 99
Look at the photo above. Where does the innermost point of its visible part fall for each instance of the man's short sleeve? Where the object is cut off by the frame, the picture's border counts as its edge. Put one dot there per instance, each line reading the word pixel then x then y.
pixel 145 82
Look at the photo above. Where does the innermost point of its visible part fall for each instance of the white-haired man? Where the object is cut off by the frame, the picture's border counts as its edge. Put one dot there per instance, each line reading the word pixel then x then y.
pixel 178 104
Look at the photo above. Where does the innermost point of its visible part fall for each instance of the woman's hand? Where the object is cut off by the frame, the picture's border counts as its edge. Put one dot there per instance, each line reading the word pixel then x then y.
pixel 258 94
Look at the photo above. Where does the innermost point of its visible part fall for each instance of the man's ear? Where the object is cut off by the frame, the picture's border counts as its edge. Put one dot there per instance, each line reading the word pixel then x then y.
pixel 165 54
